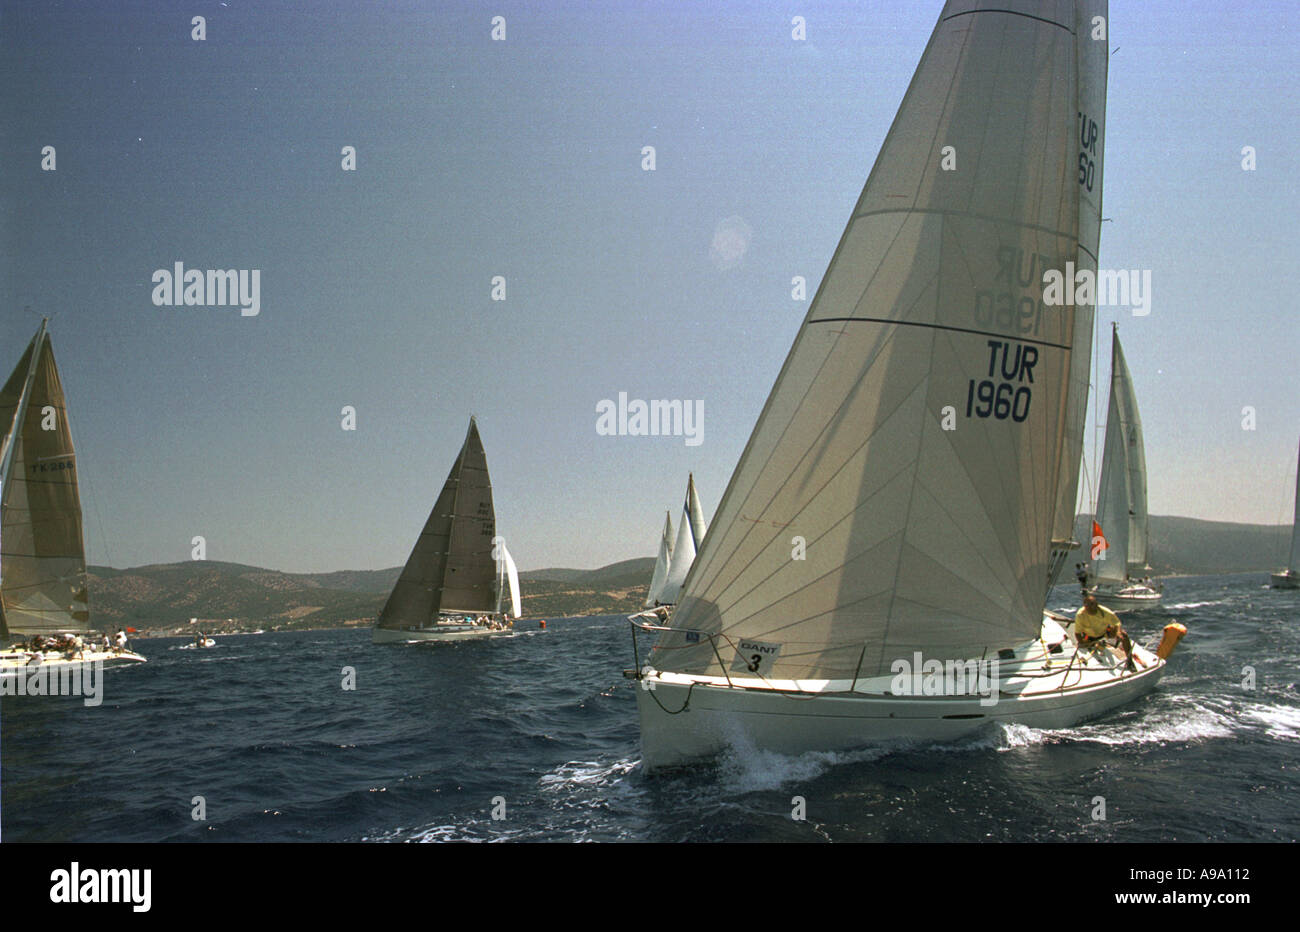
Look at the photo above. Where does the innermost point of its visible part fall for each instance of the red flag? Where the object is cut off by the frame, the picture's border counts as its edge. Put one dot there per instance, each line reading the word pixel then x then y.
pixel 1099 544
pixel 131 631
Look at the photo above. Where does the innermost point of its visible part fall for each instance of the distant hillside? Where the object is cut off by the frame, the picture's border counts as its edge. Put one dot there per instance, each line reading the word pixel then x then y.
pixel 162 598
pixel 229 596
pixel 1190 546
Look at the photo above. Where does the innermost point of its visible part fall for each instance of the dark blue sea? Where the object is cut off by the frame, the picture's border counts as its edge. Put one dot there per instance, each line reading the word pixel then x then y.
pixel 540 729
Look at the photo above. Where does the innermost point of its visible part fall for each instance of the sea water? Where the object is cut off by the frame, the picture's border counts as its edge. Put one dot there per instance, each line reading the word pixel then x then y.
pixel 534 737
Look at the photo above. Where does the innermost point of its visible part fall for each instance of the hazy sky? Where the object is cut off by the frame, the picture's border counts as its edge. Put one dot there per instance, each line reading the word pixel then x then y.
pixel 523 158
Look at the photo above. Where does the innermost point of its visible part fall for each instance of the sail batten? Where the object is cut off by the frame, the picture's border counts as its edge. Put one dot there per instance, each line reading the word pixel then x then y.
pixel 899 491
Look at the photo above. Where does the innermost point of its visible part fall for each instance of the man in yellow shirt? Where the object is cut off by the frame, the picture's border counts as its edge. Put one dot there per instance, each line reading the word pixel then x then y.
pixel 1094 623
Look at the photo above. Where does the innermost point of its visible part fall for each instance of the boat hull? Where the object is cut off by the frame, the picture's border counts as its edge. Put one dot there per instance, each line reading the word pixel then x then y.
pixel 1129 597
pixel 684 718
pixel 441 633
pixel 1287 580
pixel 20 662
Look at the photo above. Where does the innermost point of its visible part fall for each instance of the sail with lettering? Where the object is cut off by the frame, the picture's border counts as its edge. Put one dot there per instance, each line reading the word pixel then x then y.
pixel 42 557
pixel 45 619
pixel 928 539
pixel 1090 123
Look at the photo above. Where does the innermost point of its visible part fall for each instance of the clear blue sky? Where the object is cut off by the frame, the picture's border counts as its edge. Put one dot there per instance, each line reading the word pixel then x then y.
pixel 522 158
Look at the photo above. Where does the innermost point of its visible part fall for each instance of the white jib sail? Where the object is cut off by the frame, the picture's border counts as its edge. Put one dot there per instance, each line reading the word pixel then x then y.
pixel 662 563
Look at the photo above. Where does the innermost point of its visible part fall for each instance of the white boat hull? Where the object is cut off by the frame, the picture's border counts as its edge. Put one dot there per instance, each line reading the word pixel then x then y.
pixel 1287 580
pixel 1128 597
pixel 438 633
pixel 23 662
pixel 684 718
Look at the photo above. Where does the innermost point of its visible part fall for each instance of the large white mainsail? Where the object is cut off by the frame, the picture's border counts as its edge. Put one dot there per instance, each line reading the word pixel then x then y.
pixel 451 566
pixel 662 563
pixel 917 537
pixel 1122 500
pixel 42 556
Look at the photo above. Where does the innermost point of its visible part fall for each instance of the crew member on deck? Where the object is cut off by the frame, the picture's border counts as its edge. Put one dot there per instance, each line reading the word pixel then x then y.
pixel 1095 623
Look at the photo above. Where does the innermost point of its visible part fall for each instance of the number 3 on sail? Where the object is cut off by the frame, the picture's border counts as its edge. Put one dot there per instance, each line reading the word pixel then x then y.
pixel 930 551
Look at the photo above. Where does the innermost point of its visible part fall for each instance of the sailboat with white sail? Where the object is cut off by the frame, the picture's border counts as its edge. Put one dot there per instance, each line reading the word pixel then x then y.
pixel 662 563
pixel 879 563
pixel 453 586
pixel 690 537
pixel 1120 568
pixel 1289 578
pixel 44 604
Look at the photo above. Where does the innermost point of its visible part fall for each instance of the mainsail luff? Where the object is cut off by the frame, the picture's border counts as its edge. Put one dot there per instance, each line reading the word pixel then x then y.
pixel 42 551
pixel 1093 63
pixel 916 538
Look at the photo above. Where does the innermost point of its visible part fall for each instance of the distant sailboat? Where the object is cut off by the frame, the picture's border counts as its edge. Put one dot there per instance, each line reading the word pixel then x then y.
pixel 43 594
pixel 690 537
pixel 899 508
pixel 452 586
pixel 1290 577
pixel 662 562
pixel 1122 501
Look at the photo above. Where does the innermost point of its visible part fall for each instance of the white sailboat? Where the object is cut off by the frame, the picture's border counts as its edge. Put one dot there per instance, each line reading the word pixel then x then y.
pixel 878 565
pixel 44 606
pixel 690 537
pixel 453 584
pixel 1123 580
pixel 662 562
pixel 1289 578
